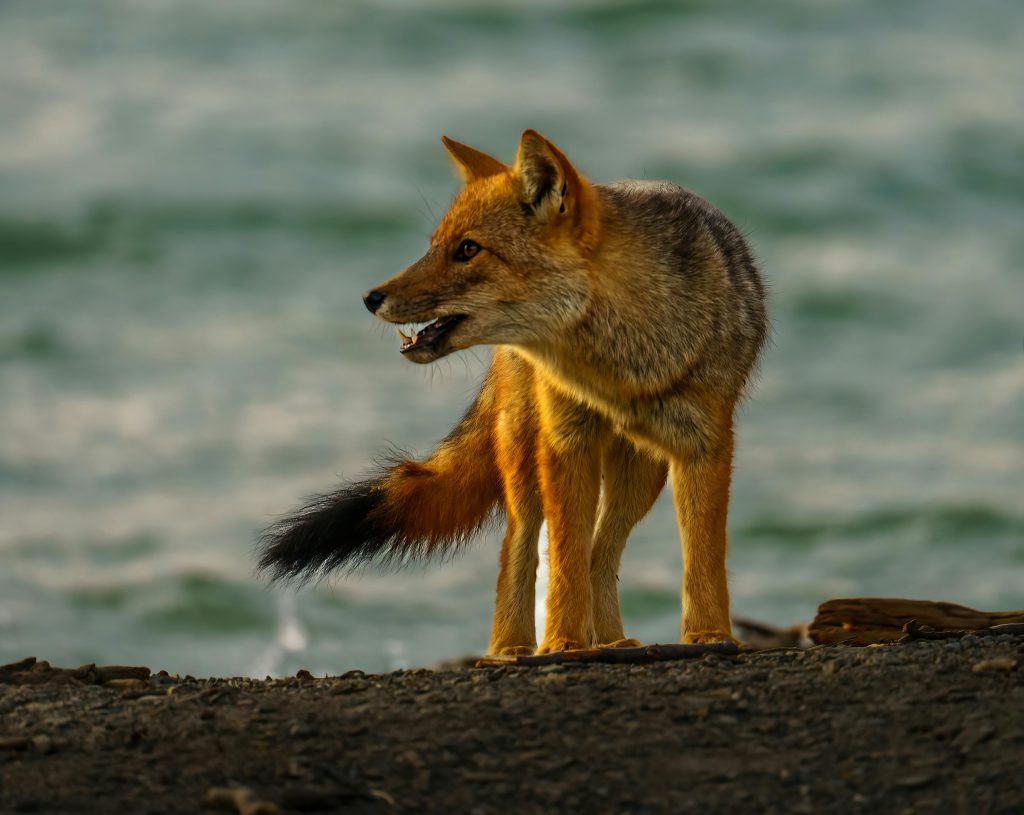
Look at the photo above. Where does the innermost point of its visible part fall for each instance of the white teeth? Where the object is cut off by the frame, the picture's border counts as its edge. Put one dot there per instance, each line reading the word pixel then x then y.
pixel 414 330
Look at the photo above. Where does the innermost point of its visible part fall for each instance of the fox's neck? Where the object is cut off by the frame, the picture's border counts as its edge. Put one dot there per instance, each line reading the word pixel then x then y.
pixel 611 358
pixel 636 338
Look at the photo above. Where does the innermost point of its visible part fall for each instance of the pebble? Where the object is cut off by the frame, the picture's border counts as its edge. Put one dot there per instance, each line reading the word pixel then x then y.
pixel 994 665
pixel 914 782
pixel 386 797
pixel 971 737
pixel 124 684
pixel 242 799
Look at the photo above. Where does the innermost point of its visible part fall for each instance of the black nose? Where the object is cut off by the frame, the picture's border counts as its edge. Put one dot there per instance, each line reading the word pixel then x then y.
pixel 373 299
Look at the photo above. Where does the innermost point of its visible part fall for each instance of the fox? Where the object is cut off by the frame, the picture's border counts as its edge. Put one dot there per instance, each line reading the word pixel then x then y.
pixel 627 321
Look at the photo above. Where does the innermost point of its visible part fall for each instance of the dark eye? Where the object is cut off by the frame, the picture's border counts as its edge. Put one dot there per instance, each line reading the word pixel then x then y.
pixel 466 250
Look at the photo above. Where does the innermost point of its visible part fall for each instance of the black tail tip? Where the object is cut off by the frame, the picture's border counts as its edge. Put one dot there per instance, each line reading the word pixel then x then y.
pixel 336 531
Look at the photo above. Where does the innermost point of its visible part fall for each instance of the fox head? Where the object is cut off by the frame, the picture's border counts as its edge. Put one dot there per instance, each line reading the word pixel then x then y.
pixel 507 265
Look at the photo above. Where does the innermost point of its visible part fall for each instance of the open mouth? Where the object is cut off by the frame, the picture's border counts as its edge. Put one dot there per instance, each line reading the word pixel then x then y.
pixel 429 336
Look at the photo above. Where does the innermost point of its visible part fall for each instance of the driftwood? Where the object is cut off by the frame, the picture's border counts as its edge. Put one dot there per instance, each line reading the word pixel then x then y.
pixel 30 671
pixel 642 654
pixel 914 631
pixel 869 620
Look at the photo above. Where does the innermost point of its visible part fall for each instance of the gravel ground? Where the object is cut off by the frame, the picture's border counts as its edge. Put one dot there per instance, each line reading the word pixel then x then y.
pixel 920 727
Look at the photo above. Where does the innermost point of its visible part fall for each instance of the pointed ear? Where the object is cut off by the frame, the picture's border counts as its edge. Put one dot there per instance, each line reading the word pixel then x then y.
pixel 552 188
pixel 471 163
pixel 542 176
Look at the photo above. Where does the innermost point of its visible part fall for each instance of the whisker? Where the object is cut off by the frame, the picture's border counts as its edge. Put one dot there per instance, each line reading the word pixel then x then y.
pixel 426 203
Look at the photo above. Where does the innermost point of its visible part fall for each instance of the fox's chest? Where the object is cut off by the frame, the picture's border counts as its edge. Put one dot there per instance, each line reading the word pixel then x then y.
pixel 622 398
pixel 663 416
pixel 581 380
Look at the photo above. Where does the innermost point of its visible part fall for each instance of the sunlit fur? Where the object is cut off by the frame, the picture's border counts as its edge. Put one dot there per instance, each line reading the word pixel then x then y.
pixel 628 318
pixel 408 509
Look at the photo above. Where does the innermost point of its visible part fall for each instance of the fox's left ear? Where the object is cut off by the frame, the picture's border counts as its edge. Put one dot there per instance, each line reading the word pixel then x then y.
pixel 472 163
pixel 553 189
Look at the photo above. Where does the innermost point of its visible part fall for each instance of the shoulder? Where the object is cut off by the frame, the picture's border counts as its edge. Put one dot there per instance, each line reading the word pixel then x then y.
pixel 653 198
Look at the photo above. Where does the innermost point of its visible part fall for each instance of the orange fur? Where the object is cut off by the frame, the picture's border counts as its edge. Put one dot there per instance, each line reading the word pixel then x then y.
pixel 632 482
pixel 627 320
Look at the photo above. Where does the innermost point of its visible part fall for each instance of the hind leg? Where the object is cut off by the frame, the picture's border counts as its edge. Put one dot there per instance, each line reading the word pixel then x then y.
pixel 632 482
pixel 700 485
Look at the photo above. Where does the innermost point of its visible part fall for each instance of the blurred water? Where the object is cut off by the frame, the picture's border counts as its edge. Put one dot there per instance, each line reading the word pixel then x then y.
pixel 193 195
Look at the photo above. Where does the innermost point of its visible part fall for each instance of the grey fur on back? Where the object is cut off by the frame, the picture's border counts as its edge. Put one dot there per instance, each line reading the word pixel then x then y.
pixel 684 222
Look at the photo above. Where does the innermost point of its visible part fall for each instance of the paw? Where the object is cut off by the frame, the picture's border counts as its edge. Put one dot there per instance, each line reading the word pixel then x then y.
pixel 513 650
pixel 704 637
pixel 561 644
pixel 625 642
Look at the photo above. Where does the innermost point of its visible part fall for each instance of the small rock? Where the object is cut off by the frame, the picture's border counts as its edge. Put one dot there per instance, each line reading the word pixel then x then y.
pixel 341 688
pixel 972 736
pixel 303 675
pixel 383 796
pixel 994 665
pixel 242 799
pixel 913 782
pixel 151 696
pixel 106 673
pixel 124 683
pixel 42 744
pixel 20 665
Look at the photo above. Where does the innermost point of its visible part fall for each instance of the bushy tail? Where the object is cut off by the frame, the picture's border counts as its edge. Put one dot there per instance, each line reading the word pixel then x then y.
pixel 410 509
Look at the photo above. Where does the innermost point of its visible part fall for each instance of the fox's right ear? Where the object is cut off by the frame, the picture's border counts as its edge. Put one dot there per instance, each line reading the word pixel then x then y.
pixel 553 190
pixel 470 162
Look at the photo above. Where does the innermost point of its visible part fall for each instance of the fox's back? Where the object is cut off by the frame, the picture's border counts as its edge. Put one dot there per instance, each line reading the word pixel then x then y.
pixel 692 287
pixel 680 220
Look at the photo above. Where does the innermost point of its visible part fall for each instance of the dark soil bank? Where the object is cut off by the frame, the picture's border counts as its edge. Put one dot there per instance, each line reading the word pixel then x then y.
pixel 921 727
